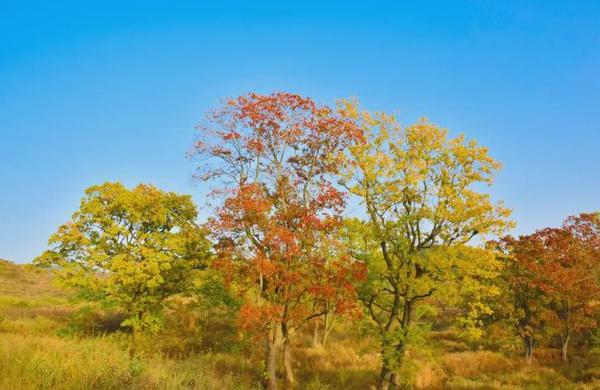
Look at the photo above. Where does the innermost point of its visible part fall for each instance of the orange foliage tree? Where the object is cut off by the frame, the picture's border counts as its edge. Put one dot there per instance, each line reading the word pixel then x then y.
pixel 571 263
pixel 271 159
pixel 554 277
pixel 525 299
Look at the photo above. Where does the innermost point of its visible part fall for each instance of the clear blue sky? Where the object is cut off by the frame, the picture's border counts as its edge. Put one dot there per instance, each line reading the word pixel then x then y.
pixel 112 90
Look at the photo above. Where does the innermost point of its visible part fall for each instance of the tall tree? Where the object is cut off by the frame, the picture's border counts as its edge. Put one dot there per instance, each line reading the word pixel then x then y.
pixel 130 247
pixel 570 257
pixel 419 190
pixel 272 157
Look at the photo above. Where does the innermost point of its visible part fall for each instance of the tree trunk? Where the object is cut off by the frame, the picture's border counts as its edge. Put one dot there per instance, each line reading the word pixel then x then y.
pixel 388 379
pixel 394 385
pixel 327 325
pixel 383 382
pixel 135 341
pixel 290 380
pixel 565 348
pixel 325 336
pixel 316 341
pixel 528 341
pixel 270 382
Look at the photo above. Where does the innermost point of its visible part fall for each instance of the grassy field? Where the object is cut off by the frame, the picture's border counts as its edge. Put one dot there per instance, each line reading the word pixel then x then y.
pixel 49 340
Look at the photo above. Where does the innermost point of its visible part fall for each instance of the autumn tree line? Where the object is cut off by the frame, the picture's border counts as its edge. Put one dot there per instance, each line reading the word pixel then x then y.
pixel 425 234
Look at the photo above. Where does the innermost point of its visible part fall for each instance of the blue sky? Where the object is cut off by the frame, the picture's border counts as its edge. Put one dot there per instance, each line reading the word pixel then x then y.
pixel 112 90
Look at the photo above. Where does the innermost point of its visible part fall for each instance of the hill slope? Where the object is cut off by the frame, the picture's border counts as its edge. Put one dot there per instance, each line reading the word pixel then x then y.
pixel 25 280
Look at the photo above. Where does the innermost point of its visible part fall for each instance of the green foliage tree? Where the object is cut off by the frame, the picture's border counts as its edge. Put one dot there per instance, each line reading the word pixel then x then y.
pixel 418 188
pixel 131 247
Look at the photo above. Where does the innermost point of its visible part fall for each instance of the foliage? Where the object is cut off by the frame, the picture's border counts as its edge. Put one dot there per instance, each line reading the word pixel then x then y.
pixel 523 301
pixel 570 260
pixel 133 248
pixel 406 292
pixel 552 277
pixel 418 188
pixel 273 157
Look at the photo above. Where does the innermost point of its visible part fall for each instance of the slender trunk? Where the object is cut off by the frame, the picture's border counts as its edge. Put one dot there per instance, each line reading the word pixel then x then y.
pixel 528 341
pixel 316 341
pixel 325 336
pixel 270 382
pixel 135 335
pixel 134 343
pixel 565 348
pixel 327 325
pixel 394 385
pixel 290 380
pixel 383 382
pixel 566 335
pixel 287 359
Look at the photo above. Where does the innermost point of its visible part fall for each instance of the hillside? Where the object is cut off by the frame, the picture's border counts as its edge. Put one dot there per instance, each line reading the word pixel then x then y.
pixel 25 280
pixel 49 341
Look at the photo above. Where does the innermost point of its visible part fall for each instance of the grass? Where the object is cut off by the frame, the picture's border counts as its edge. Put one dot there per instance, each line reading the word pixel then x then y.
pixel 47 341
pixel 45 362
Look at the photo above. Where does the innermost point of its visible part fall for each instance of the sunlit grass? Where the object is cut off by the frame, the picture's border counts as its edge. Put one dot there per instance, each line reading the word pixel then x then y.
pixel 49 342
pixel 44 362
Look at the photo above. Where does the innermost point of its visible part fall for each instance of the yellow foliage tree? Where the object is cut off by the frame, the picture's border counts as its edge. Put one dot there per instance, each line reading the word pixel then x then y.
pixel 420 192
pixel 134 248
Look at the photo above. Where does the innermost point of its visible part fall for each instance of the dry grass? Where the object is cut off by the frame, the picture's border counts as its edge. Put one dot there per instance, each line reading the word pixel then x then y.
pixel 43 362
pixel 472 364
pixel 48 342
pixel 338 365
pixel 430 376
pixel 26 281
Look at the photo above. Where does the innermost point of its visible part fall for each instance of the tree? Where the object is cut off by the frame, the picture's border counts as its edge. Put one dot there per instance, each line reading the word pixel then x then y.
pixel 271 158
pixel 552 277
pixel 134 248
pixel 329 298
pixel 418 189
pixel 569 275
pixel 524 296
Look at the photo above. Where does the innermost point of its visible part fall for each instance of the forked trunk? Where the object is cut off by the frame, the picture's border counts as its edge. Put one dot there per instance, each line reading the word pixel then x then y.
pixel 388 378
pixel 383 382
pixel 565 348
pixel 327 325
pixel 528 342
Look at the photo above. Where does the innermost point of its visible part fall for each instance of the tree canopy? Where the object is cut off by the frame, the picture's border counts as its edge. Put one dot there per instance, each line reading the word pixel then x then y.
pixel 283 253
pixel 131 247
pixel 420 192
pixel 274 159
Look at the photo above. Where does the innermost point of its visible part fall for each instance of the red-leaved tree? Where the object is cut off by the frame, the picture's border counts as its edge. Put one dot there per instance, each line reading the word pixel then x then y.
pixel 524 295
pixel 553 277
pixel 272 158
pixel 570 275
